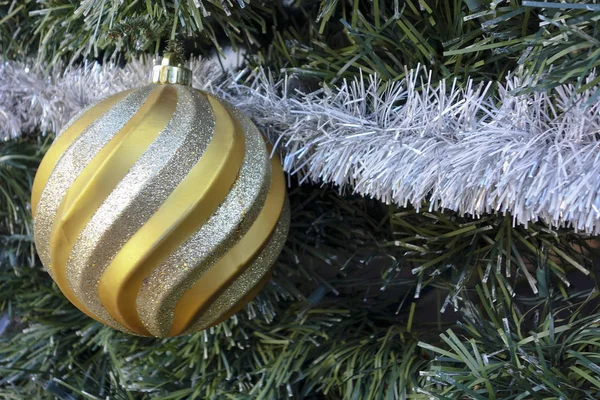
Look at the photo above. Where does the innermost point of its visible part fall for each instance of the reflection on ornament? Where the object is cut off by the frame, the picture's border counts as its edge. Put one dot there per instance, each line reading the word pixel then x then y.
pixel 158 210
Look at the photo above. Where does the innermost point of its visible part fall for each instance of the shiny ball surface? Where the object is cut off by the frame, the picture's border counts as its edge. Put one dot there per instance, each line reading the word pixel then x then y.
pixel 158 211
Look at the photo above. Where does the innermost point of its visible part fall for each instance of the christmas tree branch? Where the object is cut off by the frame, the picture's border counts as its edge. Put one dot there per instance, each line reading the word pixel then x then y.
pixel 325 40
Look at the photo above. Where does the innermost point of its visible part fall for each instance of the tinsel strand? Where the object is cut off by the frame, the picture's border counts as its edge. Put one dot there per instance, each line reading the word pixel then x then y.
pixel 451 146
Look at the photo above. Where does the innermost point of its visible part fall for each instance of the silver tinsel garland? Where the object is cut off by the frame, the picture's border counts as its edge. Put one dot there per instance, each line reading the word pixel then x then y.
pixel 534 155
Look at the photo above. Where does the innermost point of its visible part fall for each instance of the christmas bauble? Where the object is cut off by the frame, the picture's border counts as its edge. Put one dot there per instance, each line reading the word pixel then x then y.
pixel 158 211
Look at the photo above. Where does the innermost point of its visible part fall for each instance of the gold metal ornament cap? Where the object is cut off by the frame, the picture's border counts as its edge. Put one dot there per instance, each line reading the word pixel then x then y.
pixel 168 74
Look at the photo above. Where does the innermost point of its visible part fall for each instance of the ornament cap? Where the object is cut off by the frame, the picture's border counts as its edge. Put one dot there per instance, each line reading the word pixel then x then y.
pixel 169 74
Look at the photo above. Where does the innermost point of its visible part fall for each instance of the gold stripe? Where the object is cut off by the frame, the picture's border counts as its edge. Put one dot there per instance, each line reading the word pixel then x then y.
pixel 190 204
pixel 205 291
pixel 62 143
pixel 101 176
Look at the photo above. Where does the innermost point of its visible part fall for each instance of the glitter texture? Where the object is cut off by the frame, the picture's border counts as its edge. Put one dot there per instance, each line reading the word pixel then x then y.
pixel 75 118
pixel 152 178
pixel 165 286
pixel 249 278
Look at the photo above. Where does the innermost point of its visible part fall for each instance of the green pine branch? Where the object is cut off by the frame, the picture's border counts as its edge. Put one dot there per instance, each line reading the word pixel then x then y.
pixel 326 40
pixel 509 349
pixel 18 161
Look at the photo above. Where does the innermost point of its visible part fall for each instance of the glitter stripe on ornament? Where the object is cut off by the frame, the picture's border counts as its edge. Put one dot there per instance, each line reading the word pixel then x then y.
pixel 182 213
pixel 219 277
pixel 250 282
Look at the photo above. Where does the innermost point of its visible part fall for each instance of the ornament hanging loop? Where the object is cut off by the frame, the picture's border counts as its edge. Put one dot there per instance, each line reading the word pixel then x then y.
pixel 169 74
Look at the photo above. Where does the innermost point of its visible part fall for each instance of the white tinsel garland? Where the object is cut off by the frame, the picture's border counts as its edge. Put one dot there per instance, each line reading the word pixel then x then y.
pixel 535 155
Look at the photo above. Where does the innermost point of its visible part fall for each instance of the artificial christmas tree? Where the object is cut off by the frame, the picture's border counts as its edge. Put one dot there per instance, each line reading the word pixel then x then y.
pixel 442 162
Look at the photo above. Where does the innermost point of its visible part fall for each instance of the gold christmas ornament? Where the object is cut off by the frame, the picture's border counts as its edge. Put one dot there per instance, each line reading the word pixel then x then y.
pixel 158 211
